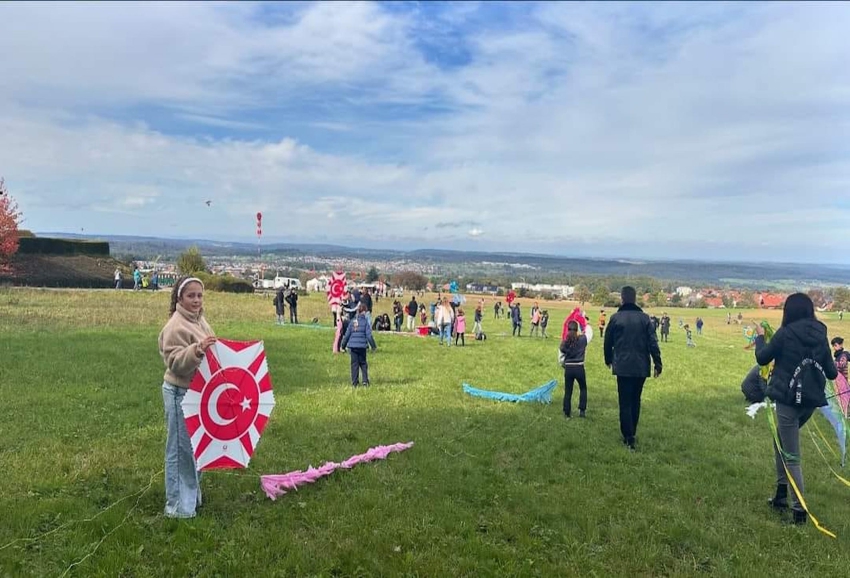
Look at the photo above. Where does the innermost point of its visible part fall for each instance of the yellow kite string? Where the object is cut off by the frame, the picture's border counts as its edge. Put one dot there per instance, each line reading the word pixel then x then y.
pixel 825 459
pixel 823 437
pixel 791 481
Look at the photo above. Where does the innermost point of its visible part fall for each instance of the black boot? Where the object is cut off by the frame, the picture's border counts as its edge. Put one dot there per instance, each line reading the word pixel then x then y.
pixel 799 517
pixel 780 500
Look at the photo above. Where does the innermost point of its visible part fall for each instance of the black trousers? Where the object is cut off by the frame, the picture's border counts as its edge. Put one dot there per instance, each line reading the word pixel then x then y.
pixel 462 337
pixel 573 373
pixel 629 390
pixel 293 314
pixel 358 365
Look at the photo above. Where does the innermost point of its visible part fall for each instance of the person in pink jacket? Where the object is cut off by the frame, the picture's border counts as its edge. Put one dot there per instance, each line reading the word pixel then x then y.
pixel 460 327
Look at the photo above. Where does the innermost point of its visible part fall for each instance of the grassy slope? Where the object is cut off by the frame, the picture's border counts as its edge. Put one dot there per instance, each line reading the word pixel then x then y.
pixel 64 271
pixel 489 488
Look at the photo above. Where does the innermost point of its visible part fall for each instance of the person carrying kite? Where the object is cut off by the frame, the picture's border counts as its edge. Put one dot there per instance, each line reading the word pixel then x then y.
pixel 573 349
pixel 796 391
pixel 183 342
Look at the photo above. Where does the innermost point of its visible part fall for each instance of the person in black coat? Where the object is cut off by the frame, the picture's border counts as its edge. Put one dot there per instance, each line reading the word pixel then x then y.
pixel 630 344
pixel 412 310
pixel 292 299
pixel 279 305
pixel 797 394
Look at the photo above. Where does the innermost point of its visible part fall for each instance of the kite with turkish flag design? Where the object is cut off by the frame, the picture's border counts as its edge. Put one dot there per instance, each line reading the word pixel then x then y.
pixel 336 288
pixel 228 404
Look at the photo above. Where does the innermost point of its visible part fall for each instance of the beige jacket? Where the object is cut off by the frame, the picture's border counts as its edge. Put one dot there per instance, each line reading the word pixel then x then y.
pixel 443 315
pixel 179 345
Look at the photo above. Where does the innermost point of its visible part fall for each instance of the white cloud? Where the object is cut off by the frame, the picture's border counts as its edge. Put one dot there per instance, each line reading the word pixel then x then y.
pixel 663 125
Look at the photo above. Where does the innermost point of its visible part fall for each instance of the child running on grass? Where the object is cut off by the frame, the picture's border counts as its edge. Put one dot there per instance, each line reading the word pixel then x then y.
pixel 689 336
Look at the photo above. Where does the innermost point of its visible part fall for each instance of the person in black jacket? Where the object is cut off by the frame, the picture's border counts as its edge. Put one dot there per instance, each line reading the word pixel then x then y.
pixel 279 305
pixel 841 355
pixel 800 337
pixel 573 348
pixel 412 310
pixel 630 342
pixel 292 299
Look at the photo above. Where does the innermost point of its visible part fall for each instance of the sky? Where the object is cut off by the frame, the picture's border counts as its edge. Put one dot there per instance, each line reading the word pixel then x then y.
pixel 672 130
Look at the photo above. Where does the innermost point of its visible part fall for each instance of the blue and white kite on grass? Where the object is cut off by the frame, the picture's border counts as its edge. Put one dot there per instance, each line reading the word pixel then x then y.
pixel 542 394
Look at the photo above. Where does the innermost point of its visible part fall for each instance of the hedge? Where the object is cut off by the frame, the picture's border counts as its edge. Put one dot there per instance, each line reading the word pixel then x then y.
pixel 50 246
pixel 225 283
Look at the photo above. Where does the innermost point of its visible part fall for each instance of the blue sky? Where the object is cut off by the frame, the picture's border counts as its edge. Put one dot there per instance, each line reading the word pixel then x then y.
pixel 716 131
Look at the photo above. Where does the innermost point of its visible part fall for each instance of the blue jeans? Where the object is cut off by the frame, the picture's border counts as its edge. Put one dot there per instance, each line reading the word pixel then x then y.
pixel 182 480
pixel 446 333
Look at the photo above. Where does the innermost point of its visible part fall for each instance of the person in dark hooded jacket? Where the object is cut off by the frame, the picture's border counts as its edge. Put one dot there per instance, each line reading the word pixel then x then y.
pixel 800 337
pixel 358 336
pixel 630 344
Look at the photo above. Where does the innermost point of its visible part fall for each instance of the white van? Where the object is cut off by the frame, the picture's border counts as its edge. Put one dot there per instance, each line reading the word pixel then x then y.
pixel 287 282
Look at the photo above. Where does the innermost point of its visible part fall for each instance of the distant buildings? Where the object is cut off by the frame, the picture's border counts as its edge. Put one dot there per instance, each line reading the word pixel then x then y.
pixel 564 291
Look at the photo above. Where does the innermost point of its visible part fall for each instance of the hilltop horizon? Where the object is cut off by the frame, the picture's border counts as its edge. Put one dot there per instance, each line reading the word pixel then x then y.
pixel 275 243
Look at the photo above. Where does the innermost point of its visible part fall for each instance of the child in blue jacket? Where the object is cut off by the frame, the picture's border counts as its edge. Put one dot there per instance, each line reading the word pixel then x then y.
pixel 358 336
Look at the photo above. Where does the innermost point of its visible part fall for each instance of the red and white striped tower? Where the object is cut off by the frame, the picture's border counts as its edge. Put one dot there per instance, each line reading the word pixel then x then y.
pixel 259 231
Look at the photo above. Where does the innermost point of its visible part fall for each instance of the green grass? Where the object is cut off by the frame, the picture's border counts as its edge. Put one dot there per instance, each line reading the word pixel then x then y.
pixel 489 489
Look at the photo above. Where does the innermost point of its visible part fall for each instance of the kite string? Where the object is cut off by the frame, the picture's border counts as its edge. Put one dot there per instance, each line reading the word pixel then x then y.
pixel 72 522
pixel 823 437
pixel 141 495
pixel 826 460
pixel 782 456
pixel 501 441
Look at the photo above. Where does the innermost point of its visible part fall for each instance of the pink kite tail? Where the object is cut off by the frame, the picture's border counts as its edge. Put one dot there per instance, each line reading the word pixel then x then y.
pixel 336 335
pixel 842 389
pixel 277 485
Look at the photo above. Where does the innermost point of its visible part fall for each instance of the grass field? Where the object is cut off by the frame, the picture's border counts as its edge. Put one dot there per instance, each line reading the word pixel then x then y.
pixel 489 489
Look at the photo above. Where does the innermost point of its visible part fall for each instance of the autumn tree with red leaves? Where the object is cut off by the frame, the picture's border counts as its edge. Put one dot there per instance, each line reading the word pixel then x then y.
pixel 10 218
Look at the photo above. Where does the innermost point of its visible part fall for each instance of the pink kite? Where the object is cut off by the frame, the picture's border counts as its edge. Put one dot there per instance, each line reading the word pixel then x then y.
pixel 336 288
pixel 511 296
pixel 578 318
pixel 277 485
pixel 228 404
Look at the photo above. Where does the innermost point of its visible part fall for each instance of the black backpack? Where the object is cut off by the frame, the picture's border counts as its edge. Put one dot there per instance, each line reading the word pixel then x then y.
pixel 807 383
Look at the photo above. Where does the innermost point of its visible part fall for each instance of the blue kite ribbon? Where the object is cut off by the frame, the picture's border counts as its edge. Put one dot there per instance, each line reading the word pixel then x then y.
pixel 542 394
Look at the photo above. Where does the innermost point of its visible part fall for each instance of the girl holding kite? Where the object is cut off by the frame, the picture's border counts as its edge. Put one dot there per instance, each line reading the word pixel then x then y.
pixel 797 388
pixel 573 349
pixel 182 344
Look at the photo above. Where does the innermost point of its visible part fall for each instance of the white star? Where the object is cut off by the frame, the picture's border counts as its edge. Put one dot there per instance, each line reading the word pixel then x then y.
pixel 246 404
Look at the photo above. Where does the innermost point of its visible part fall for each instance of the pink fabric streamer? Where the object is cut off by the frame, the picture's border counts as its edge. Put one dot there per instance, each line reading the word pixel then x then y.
pixel 278 484
pixel 842 389
pixel 338 332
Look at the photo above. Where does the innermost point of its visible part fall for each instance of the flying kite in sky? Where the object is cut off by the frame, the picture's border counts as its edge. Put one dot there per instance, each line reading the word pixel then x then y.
pixel 208 203
pixel 228 404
